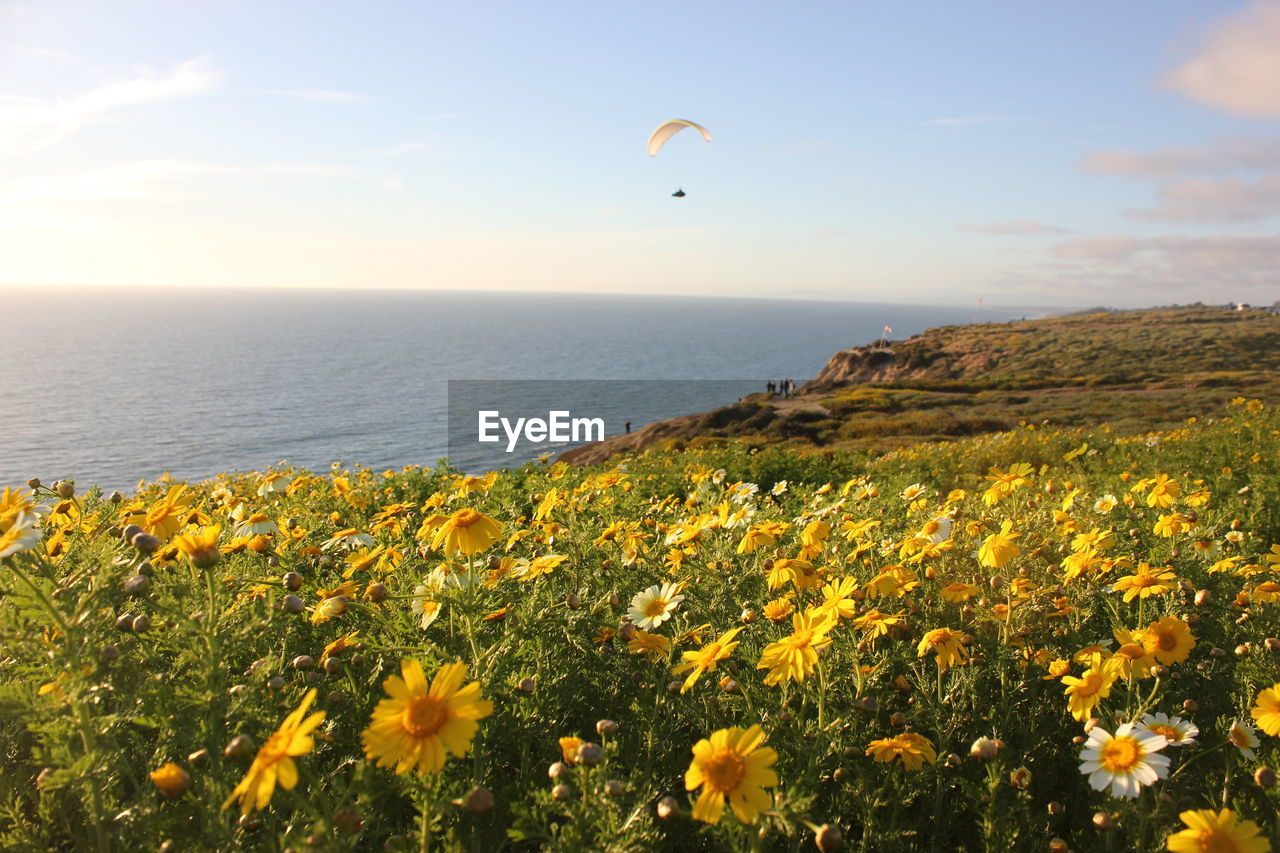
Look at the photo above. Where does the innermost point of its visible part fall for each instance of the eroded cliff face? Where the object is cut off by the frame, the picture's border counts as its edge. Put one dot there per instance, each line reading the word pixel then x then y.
pixel 928 356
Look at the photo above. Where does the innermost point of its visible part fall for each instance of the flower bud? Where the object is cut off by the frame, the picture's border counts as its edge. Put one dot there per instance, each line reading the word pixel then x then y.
pixel 65 488
pixel 1265 777
pixel 137 585
pixel 377 593
pixel 606 727
pixel 199 758
pixel 1057 809
pixel 589 754
pixel 332 666
pixel 1103 821
pixel 1058 845
pixel 749 616
pixel 293 604
pixel 667 806
pixel 572 601
pixel 124 622
pixel 897 719
pixel 478 800
pixel 146 543
pixel 1020 778
pixel 304 662
pixel 141 623
pixel 526 685
pixel 984 749
pixel 828 838
pixel 561 792
pixel 34 483
pixel 109 653
pixel 614 788
pixel 239 748
pixel 1272 644
pixel 556 770
pixel 1203 597
pixel 116 497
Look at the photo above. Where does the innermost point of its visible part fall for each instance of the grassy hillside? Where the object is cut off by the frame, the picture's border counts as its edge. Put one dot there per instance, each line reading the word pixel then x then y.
pixel 931 641
pixel 1134 370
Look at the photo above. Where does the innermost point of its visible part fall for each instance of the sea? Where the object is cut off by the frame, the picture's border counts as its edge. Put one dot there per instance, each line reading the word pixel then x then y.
pixel 111 386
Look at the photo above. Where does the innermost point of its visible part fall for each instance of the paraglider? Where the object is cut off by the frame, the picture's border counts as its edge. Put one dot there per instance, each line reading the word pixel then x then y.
pixel 668 129
pixel 665 131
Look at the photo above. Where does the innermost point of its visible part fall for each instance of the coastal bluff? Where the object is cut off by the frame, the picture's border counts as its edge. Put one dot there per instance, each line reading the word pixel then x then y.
pixel 1135 370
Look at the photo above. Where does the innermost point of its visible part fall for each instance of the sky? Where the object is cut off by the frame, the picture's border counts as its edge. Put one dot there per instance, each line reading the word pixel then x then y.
pixel 1073 154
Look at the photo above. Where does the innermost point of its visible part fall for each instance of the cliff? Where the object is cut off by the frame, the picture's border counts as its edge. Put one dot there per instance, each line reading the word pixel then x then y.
pixel 1137 370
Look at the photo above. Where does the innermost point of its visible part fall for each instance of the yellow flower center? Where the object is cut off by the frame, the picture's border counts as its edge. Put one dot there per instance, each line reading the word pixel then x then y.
pixel 466 518
pixel 1166 642
pixel 800 638
pixel 1216 841
pixel 655 607
pixel 1170 733
pixel 1121 754
pixel 1131 651
pixel 1141 581
pixel 424 716
pixel 723 771
pixel 275 748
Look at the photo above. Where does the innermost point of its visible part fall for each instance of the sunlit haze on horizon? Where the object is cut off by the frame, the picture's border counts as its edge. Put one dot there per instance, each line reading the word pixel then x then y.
pixel 1025 154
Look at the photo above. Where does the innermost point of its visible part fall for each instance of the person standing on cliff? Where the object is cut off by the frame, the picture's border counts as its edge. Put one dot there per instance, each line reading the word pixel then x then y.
pixel 628 427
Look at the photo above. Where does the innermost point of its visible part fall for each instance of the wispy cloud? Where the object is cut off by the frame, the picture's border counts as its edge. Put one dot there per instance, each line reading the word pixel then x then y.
pixel 1136 270
pixel 33 124
pixel 329 96
pixel 1218 156
pixel 1109 246
pixel 1216 200
pixel 1019 227
pixel 1237 66
pixel 166 180
pixel 986 118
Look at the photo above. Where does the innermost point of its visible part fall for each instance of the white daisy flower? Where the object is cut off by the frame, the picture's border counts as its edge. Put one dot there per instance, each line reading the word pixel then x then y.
pixel 1126 760
pixel 1105 504
pixel 1244 737
pixel 349 538
pixel 424 606
pixel 778 487
pixel 651 608
pixel 258 523
pixel 274 484
pixel 21 535
pixel 1177 731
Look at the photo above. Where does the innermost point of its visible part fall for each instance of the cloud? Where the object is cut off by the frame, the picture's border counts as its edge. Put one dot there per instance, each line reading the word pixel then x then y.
pixel 1216 200
pixel 1244 265
pixel 1093 248
pixel 1017 227
pixel 1219 156
pixel 976 119
pixel 330 96
pixel 33 124
pixel 163 180
pixel 1237 66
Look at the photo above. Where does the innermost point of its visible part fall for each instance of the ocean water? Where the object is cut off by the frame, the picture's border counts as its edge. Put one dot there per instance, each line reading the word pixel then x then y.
pixel 111 385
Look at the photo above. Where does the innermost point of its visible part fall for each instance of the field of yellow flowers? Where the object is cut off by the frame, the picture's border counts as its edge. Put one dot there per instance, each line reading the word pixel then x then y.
pixel 1037 640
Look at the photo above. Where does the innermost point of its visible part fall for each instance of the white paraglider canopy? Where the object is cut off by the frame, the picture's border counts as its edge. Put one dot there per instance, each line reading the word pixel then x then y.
pixel 668 129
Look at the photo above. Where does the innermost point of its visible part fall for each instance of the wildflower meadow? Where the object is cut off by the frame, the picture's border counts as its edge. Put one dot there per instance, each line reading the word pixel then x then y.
pixel 1034 640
